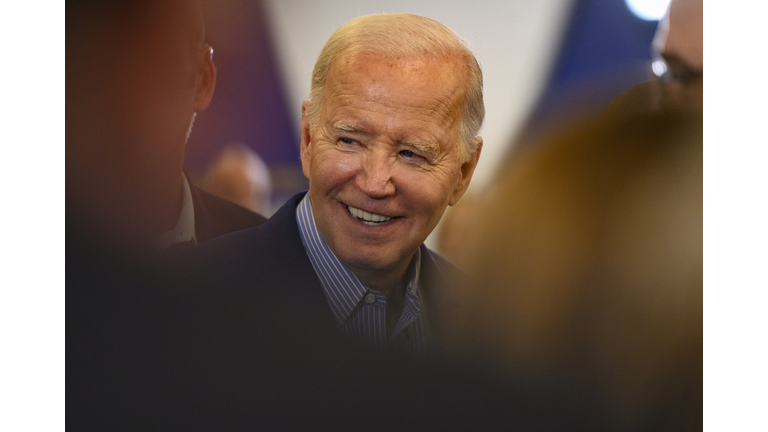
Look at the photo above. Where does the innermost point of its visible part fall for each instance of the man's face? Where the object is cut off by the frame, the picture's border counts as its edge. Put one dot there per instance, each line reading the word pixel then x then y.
pixel 680 41
pixel 383 158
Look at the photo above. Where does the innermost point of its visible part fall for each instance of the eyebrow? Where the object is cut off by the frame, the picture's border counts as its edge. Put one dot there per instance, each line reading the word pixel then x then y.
pixel 345 126
pixel 429 149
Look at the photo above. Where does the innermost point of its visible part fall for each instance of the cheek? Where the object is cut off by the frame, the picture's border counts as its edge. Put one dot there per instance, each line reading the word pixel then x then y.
pixel 347 165
pixel 331 168
pixel 155 102
pixel 427 194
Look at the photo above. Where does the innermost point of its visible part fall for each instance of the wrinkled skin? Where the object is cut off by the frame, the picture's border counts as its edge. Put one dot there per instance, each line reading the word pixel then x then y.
pixel 386 141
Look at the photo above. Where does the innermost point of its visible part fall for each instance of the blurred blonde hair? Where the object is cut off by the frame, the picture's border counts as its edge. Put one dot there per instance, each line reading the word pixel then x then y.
pixel 398 36
pixel 588 265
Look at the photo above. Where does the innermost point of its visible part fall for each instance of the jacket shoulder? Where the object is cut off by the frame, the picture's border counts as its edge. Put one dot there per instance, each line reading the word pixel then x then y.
pixel 216 216
pixel 437 263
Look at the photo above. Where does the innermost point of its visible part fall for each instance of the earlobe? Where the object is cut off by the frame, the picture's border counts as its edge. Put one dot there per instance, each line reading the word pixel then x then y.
pixel 205 80
pixel 466 171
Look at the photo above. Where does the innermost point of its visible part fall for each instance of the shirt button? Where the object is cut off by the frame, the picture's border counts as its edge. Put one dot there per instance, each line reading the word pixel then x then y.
pixel 370 298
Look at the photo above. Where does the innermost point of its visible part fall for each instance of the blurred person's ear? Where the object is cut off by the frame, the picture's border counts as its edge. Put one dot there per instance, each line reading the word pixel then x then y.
pixel 467 169
pixel 205 78
pixel 305 140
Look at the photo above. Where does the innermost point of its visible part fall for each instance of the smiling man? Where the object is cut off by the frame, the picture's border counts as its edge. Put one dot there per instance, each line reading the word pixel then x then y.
pixel 388 141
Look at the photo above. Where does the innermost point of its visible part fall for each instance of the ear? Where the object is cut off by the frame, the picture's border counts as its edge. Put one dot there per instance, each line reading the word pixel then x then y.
pixel 304 150
pixel 205 79
pixel 467 169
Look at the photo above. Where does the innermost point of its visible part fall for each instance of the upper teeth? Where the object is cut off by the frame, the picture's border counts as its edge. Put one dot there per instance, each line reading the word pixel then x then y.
pixel 367 217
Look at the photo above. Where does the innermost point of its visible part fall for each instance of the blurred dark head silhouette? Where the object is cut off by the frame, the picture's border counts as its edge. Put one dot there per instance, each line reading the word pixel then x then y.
pixel 137 74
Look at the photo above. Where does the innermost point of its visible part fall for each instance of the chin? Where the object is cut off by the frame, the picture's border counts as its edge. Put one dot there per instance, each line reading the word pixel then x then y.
pixel 369 263
pixel 373 260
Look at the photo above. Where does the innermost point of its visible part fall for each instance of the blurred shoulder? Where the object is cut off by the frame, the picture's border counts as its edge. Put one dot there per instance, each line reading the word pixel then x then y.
pixel 216 216
pixel 433 261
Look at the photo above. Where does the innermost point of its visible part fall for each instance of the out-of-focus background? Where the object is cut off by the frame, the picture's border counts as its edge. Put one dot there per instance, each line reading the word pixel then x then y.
pixel 528 49
pixel 542 60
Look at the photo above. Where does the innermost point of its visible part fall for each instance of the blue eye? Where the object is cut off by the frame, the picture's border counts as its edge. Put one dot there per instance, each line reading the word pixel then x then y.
pixel 347 140
pixel 408 153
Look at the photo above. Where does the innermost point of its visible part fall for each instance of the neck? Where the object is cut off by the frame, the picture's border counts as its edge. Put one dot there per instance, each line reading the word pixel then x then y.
pixel 128 212
pixel 389 282
pixel 169 206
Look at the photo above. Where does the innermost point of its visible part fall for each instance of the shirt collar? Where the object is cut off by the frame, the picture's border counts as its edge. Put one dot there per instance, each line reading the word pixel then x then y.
pixel 184 231
pixel 343 289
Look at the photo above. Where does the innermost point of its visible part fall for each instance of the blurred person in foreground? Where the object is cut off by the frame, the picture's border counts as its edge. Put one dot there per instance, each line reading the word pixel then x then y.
pixel 239 175
pixel 678 53
pixel 587 259
pixel 138 73
pixel 388 141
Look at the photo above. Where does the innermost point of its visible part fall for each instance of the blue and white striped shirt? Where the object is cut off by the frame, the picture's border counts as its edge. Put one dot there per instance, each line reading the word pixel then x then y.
pixel 361 311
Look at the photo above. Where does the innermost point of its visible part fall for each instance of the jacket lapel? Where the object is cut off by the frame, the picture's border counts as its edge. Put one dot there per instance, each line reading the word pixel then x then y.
pixel 283 262
pixel 441 282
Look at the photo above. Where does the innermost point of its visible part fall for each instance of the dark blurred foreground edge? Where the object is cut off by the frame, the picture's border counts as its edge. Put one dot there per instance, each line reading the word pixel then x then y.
pixel 145 354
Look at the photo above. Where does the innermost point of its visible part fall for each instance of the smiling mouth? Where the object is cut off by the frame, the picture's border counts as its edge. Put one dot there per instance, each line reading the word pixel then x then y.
pixel 369 218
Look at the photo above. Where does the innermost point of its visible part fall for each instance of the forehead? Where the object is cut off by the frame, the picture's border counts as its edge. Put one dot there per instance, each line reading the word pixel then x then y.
pixel 428 85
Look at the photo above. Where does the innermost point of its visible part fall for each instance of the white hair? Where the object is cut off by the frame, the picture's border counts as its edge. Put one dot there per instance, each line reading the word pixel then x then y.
pixel 398 36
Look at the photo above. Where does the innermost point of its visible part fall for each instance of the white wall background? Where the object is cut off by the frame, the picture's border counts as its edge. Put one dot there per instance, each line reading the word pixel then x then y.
pixel 515 42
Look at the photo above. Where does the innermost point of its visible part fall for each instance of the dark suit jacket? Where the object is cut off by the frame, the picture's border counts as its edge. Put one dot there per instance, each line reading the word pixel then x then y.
pixel 215 216
pixel 272 258
pixel 148 351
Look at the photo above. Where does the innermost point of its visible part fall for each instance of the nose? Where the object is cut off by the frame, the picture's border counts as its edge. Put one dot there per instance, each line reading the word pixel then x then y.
pixel 375 179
